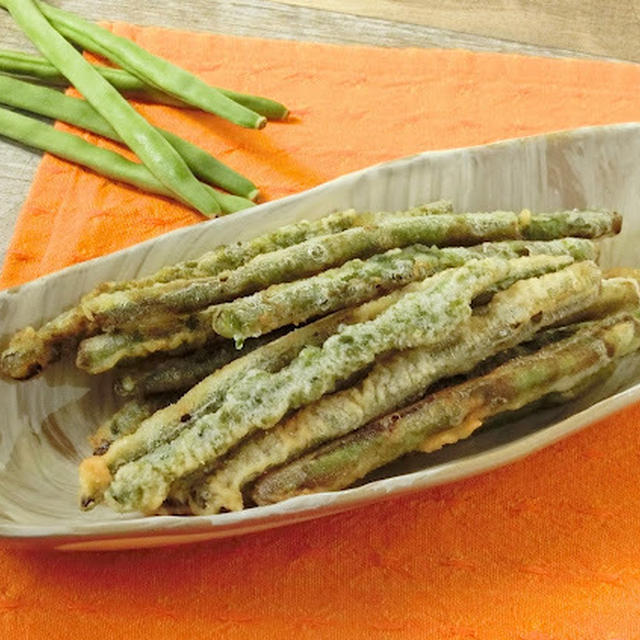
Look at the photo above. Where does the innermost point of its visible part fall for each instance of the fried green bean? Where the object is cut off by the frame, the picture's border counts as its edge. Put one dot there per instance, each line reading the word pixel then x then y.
pixel 102 352
pixel 161 160
pixel 618 294
pixel 291 304
pixel 430 313
pixel 232 256
pixel 32 66
pixel 180 372
pixel 580 224
pixel 31 350
pixel 56 105
pixel 347 285
pixel 153 70
pixel 512 316
pixel 126 420
pixel 120 308
pixel 358 280
pixel 454 412
pixel 207 396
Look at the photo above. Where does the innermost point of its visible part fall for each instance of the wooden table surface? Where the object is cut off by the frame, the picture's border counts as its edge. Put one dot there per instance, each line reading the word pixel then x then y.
pixel 575 28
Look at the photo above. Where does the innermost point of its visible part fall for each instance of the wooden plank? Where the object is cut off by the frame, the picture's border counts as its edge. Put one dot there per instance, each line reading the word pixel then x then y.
pixel 607 29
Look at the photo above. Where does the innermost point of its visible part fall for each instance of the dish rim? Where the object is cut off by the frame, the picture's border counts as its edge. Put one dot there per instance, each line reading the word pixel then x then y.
pixel 295 509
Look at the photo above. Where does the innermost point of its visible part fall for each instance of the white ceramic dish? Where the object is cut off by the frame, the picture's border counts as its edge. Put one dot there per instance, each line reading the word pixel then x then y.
pixel 46 420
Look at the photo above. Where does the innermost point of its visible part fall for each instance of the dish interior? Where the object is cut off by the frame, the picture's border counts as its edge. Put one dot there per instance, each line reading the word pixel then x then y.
pixel 47 419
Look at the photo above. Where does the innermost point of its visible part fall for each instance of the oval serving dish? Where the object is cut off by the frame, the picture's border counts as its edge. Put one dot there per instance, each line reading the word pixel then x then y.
pixel 47 419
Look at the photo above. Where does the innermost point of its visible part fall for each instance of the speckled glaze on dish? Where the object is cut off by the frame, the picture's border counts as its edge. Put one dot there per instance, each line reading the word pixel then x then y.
pixel 47 420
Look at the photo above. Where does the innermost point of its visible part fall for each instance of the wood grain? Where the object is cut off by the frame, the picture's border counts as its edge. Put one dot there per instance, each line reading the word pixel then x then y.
pixel 451 25
pixel 608 29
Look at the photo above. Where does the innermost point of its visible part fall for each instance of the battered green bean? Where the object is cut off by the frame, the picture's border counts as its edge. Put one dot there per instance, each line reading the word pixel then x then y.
pixel 153 70
pixel 160 158
pixel 512 316
pixel 30 350
pixel 232 256
pixel 206 397
pixel 56 105
pixel 120 308
pixel 104 351
pixel 126 420
pixel 363 281
pixel 430 313
pixel 180 372
pixel 25 357
pixel 454 412
pixel 359 280
pixel 618 294
pixel 32 66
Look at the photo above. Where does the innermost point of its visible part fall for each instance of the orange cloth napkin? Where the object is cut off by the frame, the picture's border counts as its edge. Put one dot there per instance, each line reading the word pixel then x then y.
pixel 546 548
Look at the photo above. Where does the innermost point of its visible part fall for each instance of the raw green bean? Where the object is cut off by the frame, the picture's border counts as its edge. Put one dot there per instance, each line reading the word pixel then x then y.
pixel 68 146
pixel 454 412
pixel 32 66
pixel 37 69
pixel 56 105
pixel 153 70
pixel 35 133
pixel 160 158
pixel 512 316
pixel 431 313
pixel 206 397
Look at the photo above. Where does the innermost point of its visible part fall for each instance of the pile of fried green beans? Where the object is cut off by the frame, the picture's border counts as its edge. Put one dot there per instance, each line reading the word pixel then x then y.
pixel 171 166
pixel 307 357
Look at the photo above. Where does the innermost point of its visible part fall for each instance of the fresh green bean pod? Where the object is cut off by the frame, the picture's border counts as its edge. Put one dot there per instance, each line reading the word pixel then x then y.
pixel 512 316
pixel 35 133
pixel 160 158
pixel 32 66
pixel 110 164
pixel 56 105
pixel 454 412
pixel 153 70
pixel 429 314
pixel 207 396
